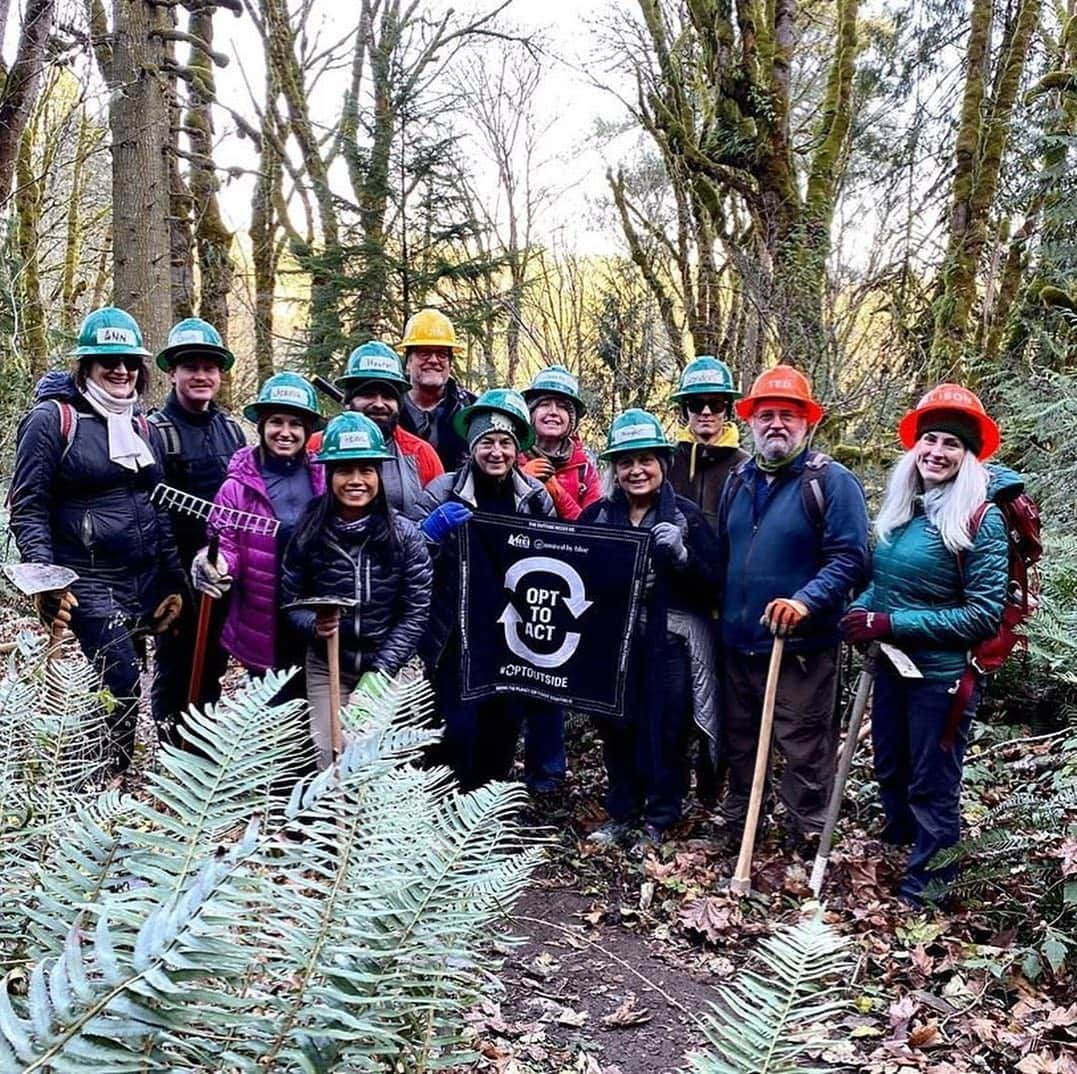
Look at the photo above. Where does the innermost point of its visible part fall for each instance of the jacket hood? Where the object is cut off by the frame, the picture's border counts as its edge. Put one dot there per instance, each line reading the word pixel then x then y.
pixel 1004 483
pixel 56 384
pixel 730 437
pixel 243 467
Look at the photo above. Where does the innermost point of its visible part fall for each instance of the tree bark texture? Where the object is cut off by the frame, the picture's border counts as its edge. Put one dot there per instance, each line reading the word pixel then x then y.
pixel 33 340
pixel 139 121
pixel 20 85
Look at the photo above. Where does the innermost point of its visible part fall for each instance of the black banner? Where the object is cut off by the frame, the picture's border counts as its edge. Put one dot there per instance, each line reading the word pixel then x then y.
pixel 547 609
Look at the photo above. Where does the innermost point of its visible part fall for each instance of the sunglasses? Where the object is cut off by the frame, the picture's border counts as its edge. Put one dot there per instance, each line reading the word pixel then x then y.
pixel 717 405
pixel 131 362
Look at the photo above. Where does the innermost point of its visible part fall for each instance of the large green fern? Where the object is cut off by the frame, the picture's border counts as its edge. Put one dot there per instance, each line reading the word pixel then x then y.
pixel 229 923
pixel 772 1017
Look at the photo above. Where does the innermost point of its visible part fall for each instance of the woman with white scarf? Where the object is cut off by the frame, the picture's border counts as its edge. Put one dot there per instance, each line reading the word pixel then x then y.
pixel 86 463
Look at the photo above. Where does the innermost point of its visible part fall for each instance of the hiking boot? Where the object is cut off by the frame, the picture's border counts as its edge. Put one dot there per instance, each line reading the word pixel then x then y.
pixel 612 833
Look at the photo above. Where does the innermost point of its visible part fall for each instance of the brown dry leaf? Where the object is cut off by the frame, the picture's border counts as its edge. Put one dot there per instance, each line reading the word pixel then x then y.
pixel 1063 1016
pixel 922 960
pixel 901 1013
pixel 1039 1063
pixel 925 1036
pixel 796 881
pixel 568 1017
pixel 627 1014
pixel 1068 854
pixel 863 878
pixel 709 916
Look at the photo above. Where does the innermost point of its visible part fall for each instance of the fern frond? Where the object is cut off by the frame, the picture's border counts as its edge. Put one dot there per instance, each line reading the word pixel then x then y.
pixel 768 1019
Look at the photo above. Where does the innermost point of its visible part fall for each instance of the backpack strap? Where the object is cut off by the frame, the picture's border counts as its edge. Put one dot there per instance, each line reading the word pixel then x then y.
pixel 69 418
pixel 169 434
pixel 236 429
pixel 812 487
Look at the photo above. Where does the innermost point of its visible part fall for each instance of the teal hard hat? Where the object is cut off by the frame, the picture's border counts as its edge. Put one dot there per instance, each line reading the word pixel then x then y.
pixel 500 401
pixel 706 375
pixel 373 361
pixel 286 391
pixel 351 436
pixel 193 337
pixel 109 330
pixel 555 380
pixel 635 430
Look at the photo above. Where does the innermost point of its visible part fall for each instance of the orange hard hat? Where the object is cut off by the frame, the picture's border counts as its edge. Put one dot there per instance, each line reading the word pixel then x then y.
pixel 781 382
pixel 962 407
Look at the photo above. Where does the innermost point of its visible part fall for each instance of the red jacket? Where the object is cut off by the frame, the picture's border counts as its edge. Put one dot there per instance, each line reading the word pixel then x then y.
pixel 573 486
pixel 427 462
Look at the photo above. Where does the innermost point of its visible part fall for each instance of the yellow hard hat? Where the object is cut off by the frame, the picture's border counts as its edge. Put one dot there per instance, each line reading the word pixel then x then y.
pixel 429 328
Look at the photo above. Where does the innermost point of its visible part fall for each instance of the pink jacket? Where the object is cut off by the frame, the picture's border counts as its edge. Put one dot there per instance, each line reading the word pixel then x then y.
pixel 578 479
pixel 251 627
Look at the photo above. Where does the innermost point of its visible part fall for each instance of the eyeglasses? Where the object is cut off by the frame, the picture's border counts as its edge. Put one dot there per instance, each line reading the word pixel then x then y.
pixel 131 362
pixel 717 405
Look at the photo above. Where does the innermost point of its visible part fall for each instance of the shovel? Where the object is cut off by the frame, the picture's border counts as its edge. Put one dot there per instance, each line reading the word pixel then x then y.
pixel 30 579
pixel 741 884
pixel 332 649
pixel 845 762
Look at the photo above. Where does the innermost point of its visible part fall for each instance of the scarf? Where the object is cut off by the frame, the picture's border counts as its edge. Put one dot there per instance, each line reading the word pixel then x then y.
pixel 125 447
pixel 559 458
pixel 779 464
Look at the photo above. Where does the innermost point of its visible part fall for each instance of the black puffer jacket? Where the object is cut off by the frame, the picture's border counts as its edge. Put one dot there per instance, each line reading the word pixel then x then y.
pixel 198 448
pixel 526 497
pixel 72 506
pixel 391 583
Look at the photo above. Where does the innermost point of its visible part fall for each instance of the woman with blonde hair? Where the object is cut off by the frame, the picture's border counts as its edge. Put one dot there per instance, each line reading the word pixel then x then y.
pixel 939 575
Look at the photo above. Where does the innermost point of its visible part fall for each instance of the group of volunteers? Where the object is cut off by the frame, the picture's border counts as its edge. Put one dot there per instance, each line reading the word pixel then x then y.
pixel 369 510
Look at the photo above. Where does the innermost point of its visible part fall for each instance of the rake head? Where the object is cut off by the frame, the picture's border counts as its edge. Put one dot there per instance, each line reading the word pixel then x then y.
pixel 217 517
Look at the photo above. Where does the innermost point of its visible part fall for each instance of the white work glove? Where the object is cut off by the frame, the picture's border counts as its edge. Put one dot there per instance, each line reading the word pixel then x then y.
pixel 667 536
pixel 212 579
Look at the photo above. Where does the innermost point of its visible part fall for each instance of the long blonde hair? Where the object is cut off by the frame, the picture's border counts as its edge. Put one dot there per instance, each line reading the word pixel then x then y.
pixel 949 507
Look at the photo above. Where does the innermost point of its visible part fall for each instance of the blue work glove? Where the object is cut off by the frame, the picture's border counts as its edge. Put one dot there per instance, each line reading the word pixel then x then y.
pixel 443 520
pixel 667 536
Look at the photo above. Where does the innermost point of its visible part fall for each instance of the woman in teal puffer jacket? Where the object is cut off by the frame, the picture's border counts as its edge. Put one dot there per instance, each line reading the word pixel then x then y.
pixel 937 589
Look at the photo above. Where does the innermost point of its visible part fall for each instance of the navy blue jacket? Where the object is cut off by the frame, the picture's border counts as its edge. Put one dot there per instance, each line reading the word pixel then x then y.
pixel 771 547
pixel 198 448
pixel 451 447
pixel 72 506
pixel 391 580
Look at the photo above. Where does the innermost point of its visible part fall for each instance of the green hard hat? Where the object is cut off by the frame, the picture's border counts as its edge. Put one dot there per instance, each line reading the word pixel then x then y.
pixel 373 361
pixel 285 391
pixel 555 380
pixel 706 375
pixel 109 330
pixel 193 337
pixel 501 401
pixel 352 436
pixel 635 430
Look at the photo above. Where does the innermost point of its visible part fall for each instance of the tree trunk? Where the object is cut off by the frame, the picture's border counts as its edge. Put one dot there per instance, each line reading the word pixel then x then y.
pixel 33 341
pixel 139 121
pixel 264 236
pixel 71 286
pixel 20 86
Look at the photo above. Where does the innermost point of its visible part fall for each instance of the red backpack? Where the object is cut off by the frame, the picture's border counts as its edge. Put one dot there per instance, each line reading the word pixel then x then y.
pixel 1024 543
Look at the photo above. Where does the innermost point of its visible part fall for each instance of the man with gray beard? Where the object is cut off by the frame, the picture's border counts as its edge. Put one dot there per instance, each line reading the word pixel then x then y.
pixel 793 529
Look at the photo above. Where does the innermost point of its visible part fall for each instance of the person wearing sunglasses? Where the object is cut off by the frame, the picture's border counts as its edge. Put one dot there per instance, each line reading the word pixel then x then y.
pixel 707 451
pixel 86 462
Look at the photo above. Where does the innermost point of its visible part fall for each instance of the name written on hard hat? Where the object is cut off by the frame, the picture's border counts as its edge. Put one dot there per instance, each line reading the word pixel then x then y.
pixel 379 363
pixel 699 376
pixel 356 438
pixel 283 394
pixel 633 432
pixel 187 335
pixel 566 380
pixel 117 335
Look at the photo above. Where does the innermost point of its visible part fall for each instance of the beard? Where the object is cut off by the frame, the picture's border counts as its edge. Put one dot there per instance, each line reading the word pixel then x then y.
pixel 387 423
pixel 776 448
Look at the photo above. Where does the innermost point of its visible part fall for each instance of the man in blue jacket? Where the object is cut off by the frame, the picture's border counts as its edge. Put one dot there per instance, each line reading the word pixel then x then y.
pixel 793 530
pixel 200 439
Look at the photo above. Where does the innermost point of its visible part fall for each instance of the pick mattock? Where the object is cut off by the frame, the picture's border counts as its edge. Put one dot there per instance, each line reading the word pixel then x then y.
pixel 845 762
pixel 33 579
pixel 741 884
pixel 201 634
pixel 332 650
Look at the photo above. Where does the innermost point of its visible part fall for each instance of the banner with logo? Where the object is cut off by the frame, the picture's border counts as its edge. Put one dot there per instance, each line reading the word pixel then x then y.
pixel 547 609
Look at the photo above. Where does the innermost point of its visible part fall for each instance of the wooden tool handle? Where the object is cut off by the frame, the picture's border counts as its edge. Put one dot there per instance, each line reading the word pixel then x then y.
pixel 205 610
pixel 741 884
pixel 332 648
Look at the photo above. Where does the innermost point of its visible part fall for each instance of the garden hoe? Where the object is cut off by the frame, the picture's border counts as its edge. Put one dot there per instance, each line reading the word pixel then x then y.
pixel 852 734
pixel 33 579
pixel 741 884
pixel 332 650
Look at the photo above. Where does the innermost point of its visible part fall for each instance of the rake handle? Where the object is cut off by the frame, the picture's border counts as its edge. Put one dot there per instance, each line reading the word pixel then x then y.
pixel 741 884
pixel 201 634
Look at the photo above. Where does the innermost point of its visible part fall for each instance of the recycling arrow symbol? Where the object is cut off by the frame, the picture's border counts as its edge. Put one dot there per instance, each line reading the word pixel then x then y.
pixel 576 602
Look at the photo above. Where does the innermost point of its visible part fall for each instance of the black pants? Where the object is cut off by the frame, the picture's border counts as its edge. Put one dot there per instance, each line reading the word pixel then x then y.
pixel 919 781
pixel 114 646
pixel 173 658
pixel 803 732
pixel 646 754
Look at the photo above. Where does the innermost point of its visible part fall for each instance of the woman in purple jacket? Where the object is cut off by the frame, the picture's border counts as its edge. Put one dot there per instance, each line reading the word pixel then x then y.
pixel 274 480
